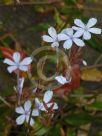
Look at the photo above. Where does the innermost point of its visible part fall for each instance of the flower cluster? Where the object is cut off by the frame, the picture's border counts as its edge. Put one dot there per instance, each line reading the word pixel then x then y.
pixel 27 113
pixel 77 34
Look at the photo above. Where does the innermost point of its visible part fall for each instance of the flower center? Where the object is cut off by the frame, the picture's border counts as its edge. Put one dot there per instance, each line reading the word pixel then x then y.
pixel 56 39
pixel 26 113
pixel 17 64
pixel 71 37
pixel 86 29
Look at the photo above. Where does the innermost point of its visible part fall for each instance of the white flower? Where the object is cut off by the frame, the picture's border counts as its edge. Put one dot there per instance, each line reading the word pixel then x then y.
pixel 62 80
pixel 17 63
pixel 86 29
pixel 25 113
pixel 70 37
pixel 46 101
pixel 53 38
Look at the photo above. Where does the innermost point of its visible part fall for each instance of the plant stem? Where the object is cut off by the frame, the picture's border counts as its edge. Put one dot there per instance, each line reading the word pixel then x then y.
pixel 98 59
pixel 93 66
pixel 19 3
pixel 57 54
pixel 30 119
pixel 4 101
pixel 18 93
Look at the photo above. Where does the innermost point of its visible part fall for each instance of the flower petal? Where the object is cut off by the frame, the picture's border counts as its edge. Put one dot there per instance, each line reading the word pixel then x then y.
pixel 31 120
pixel 23 68
pixel 87 35
pixel 63 31
pixel 37 102
pixel 62 37
pixel 16 57
pixel 42 108
pixel 34 90
pixel 79 42
pixel 52 32
pixel 20 110
pixel 84 62
pixel 61 79
pixel 75 28
pixel 95 30
pixel 47 38
pixel 9 62
pixel 69 31
pixel 27 105
pixel 79 33
pixel 49 105
pixel 67 44
pixel 55 107
pixel 48 96
pixel 79 23
pixel 20 120
pixel 35 112
pixel 26 61
pixel 91 22
pixel 11 68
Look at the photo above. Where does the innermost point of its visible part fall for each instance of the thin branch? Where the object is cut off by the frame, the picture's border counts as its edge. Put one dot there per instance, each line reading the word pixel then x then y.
pixel 32 3
pixel 93 66
pixel 98 59
pixel 4 101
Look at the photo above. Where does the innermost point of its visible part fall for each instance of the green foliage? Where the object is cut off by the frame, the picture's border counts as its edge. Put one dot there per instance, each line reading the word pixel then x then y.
pixel 71 132
pixel 41 132
pixel 41 27
pixel 70 1
pixel 79 119
pixel 4 125
pixel 95 43
pixel 97 105
pixel 55 130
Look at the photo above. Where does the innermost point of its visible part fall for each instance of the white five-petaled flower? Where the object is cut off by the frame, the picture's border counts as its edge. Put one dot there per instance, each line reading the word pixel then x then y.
pixel 53 38
pixel 62 80
pixel 17 63
pixel 25 113
pixel 46 101
pixel 70 37
pixel 86 29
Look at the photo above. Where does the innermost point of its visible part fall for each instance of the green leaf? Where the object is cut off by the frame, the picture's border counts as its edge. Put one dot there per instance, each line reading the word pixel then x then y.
pixel 79 119
pixel 55 130
pixel 41 132
pixel 97 105
pixel 71 132
pixel 95 43
pixel 40 27
pixel 7 41
pixel 70 1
